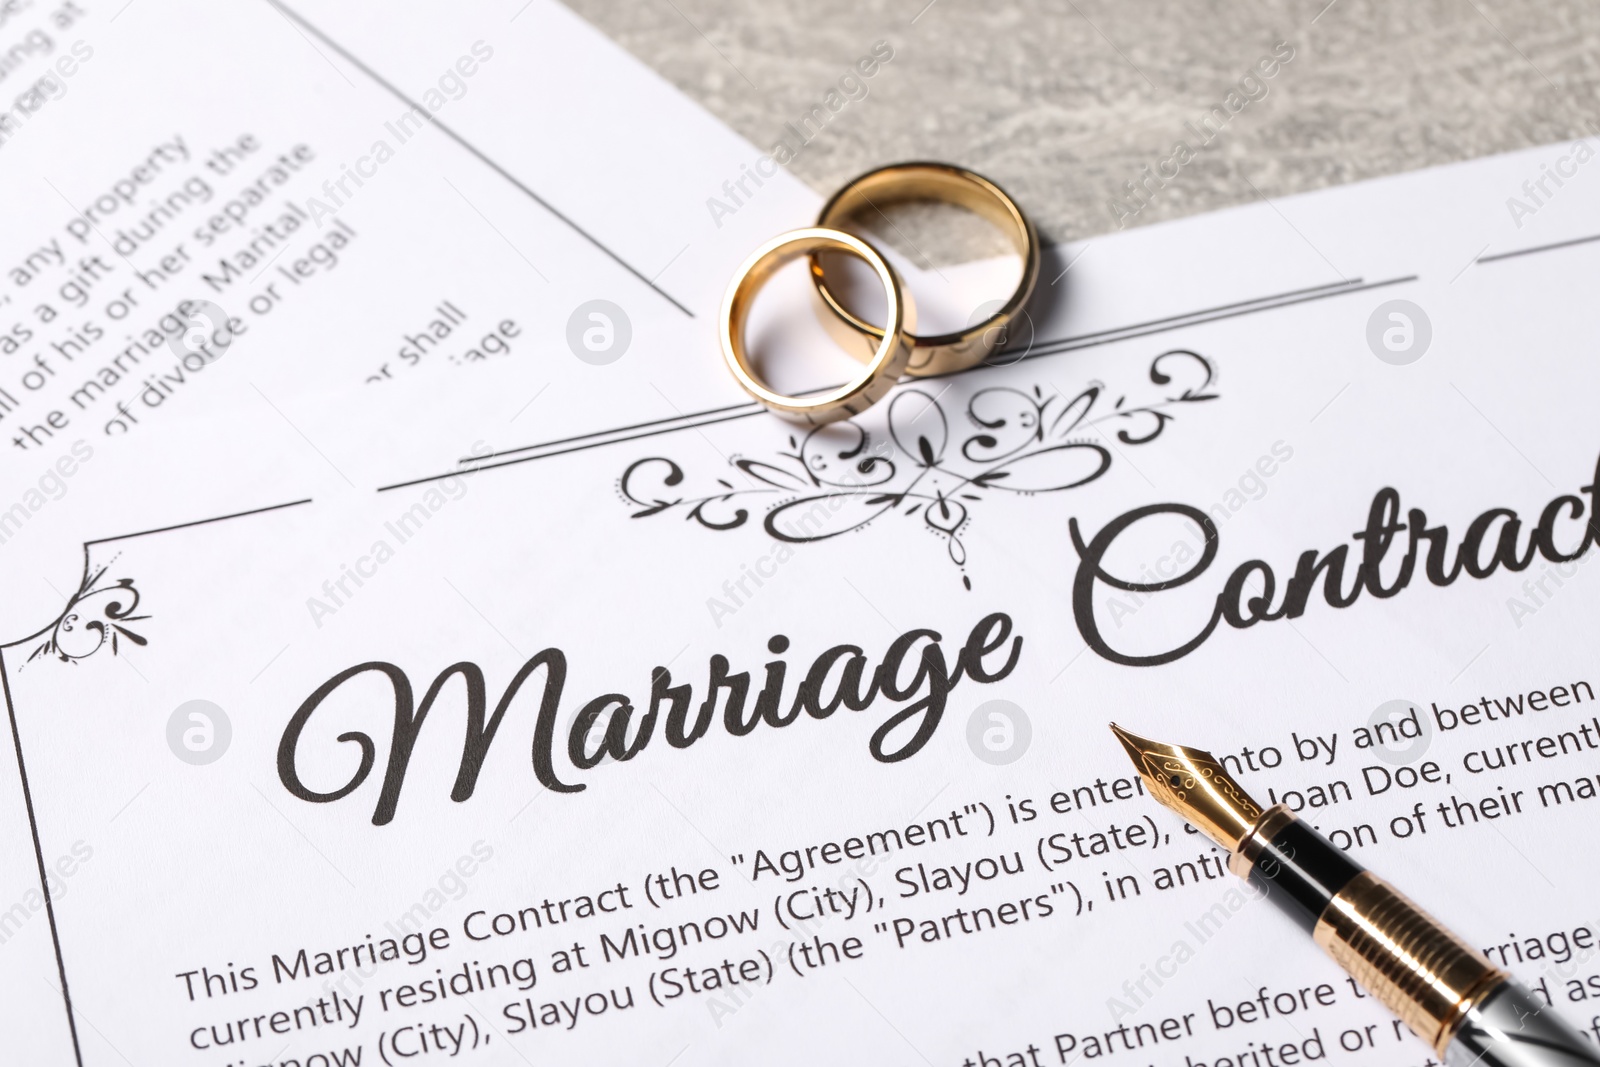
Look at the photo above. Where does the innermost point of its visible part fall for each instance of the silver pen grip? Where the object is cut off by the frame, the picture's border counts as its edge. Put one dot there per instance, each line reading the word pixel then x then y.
pixel 1511 1027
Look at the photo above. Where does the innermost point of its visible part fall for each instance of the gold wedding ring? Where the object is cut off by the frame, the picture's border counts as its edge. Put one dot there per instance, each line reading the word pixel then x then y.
pixel 890 355
pixel 903 182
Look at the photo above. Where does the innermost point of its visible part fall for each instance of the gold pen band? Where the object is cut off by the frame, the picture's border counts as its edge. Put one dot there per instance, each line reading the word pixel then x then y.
pixel 1405 958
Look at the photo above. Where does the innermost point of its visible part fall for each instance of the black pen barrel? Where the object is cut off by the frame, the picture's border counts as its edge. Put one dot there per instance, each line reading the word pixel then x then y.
pixel 1293 866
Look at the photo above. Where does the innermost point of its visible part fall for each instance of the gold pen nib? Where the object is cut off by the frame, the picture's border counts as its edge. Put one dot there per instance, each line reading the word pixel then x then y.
pixel 1193 784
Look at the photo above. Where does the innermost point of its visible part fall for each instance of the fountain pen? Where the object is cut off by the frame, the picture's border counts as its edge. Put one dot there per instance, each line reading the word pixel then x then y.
pixel 1448 993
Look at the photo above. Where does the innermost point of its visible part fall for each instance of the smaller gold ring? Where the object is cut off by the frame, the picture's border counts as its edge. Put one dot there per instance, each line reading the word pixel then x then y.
pixel 898 184
pixel 889 358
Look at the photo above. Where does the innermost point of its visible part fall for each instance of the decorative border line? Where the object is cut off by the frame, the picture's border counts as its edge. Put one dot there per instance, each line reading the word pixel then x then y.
pixel 196 522
pixel 710 416
pixel 472 149
pixel 605 437
pixel 38 855
pixel 1216 314
pixel 1537 248
pixel 22 765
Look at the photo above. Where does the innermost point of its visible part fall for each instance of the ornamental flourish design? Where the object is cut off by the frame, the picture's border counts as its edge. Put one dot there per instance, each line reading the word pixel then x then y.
pixel 96 617
pixel 920 468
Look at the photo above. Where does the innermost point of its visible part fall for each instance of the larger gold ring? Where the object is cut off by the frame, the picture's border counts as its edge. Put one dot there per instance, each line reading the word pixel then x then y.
pixel 903 182
pixel 889 358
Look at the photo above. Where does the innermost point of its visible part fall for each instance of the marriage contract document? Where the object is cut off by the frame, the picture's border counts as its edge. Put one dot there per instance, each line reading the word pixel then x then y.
pixel 388 722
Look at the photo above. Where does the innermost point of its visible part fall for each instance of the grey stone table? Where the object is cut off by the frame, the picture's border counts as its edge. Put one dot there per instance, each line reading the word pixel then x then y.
pixel 1066 102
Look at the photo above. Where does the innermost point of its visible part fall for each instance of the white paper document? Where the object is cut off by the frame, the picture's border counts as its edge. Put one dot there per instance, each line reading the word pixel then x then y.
pixel 542 710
